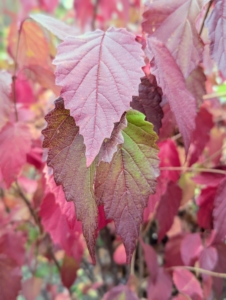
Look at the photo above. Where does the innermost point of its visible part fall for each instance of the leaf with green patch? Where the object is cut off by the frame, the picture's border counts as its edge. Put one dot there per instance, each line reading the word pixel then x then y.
pixel 124 185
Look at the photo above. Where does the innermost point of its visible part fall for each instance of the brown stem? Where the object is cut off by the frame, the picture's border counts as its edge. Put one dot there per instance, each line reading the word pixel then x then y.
pixel 206 14
pixel 93 23
pixel 200 270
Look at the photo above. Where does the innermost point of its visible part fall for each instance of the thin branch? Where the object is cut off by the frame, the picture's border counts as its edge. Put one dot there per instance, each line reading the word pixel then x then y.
pixel 213 95
pixel 200 270
pixel 204 18
pixel 95 9
pixel 191 169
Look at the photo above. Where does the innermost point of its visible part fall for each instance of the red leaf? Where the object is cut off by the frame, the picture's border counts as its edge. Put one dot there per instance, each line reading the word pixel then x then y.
pixel 187 284
pixel 10 278
pixel 151 260
pixel 191 247
pixel 208 178
pixel 67 158
pixel 173 253
pixel 24 92
pixel 148 101
pixel 56 27
pixel 205 202
pixel 15 137
pixel 48 5
pixel 168 123
pixel 120 292
pixel 162 288
pixel 203 125
pixel 173 23
pixel 216 24
pixel 5 103
pixel 219 212
pixel 195 83
pixel 68 271
pixel 167 209
pixel 98 81
pixel 170 79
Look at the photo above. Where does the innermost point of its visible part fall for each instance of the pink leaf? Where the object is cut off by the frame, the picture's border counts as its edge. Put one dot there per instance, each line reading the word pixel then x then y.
pixel 171 80
pixel 161 288
pixel 5 103
pixel 191 247
pixel 56 27
pixel 31 288
pixel 208 258
pixel 151 260
pixel 219 212
pixel 120 255
pixel 120 292
pixel 99 73
pixel 48 5
pixel 187 284
pixel 148 101
pixel 172 251
pixel 16 137
pixel 173 23
pixel 167 209
pixel 216 24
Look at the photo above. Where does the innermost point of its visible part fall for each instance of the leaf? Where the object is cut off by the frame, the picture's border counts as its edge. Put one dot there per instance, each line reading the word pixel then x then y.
pixel 173 23
pixel 167 209
pixel 56 27
pixel 68 271
pixel 151 260
pixel 171 80
pixel 110 146
pixel 219 211
pixel 17 138
pixel 120 292
pixel 31 288
pixel 208 258
pixel 162 288
pixel 67 158
pixel 201 135
pixel 172 251
pixel 124 185
pixel 10 278
pixel 5 90
pixel 32 48
pixel 187 284
pixel 98 81
pixel 205 201
pixel 195 83
pixel 148 101
pixel 216 24
pixel 191 247
pixel 120 255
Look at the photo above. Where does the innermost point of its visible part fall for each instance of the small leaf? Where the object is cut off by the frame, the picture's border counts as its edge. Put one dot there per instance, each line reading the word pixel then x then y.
pixel 67 158
pixel 170 79
pixel 148 101
pixel 120 292
pixel 99 72
pixel 56 27
pixel 216 24
pixel 191 247
pixel 124 185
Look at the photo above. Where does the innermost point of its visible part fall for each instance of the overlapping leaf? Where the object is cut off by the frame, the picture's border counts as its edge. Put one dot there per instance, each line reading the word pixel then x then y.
pixel 195 83
pixel 173 23
pixel 148 101
pixel 170 79
pixel 5 89
pixel 216 24
pixel 99 72
pixel 124 185
pixel 67 158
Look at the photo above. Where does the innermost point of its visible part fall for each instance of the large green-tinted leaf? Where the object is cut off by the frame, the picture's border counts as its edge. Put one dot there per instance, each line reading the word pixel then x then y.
pixel 67 158
pixel 124 185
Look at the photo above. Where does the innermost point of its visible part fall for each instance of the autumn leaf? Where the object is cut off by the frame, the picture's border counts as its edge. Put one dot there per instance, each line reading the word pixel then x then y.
pixel 56 27
pixel 120 292
pixel 67 158
pixel 148 101
pixel 17 138
pixel 5 103
pixel 173 23
pixel 216 24
pixel 99 73
pixel 124 185
pixel 170 79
